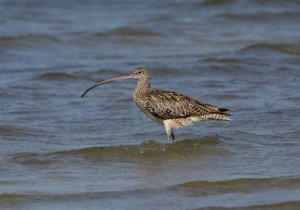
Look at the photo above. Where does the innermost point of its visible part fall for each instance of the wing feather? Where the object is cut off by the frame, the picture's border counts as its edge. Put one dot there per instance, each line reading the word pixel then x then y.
pixel 171 105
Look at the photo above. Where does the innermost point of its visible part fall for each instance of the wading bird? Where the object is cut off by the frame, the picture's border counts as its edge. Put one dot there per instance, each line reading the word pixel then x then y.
pixel 172 109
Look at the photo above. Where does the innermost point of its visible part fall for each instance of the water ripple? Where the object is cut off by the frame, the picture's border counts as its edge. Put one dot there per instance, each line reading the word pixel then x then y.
pixel 282 48
pixel 57 76
pixel 148 150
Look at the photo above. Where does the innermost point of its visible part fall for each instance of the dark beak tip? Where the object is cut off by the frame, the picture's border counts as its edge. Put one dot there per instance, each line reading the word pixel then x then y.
pixel 105 81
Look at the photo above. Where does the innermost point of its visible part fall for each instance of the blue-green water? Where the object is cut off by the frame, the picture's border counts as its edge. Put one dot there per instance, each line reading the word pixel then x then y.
pixel 60 151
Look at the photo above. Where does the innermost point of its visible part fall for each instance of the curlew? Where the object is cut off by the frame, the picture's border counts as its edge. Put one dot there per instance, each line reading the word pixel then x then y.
pixel 172 109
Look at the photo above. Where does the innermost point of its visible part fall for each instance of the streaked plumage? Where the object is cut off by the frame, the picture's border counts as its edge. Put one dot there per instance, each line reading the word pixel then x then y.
pixel 172 109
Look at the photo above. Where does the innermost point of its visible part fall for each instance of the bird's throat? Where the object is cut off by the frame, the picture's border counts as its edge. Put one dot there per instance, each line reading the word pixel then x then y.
pixel 142 85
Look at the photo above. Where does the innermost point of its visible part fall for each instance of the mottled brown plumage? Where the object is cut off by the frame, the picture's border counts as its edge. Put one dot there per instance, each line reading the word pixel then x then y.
pixel 172 109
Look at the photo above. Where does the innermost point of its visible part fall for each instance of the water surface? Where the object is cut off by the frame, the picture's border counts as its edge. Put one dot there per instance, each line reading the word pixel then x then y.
pixel 100 152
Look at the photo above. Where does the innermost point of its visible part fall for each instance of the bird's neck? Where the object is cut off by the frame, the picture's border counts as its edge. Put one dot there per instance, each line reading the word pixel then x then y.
pixel 142 85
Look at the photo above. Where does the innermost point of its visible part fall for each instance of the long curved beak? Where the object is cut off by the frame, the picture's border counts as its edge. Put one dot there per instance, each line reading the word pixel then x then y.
pixel 127 76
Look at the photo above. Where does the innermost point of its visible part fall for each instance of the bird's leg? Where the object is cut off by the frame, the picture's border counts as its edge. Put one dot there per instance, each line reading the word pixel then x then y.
pixel 169 130
pixel 172 137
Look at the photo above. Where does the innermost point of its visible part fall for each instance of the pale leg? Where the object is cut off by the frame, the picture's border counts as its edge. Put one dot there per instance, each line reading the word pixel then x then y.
pixel 169 130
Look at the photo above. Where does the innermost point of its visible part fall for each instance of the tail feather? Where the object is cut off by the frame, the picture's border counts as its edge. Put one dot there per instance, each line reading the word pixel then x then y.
pixel 225 114
pixel 218 116
pixel 216 113
pixel 223 110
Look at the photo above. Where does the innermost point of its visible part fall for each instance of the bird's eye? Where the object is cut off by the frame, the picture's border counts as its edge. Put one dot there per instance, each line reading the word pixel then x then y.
pixel 139 72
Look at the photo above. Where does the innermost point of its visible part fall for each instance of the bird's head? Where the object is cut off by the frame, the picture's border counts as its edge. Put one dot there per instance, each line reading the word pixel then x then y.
pixel 140 74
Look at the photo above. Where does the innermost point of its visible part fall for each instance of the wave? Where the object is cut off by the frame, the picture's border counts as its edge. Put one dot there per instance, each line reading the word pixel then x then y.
pixel 56 76
pixel 263 16
pixel 282 48
pixel 241 185
pixel 150 147
pixel 216 2
pixel 148 150
pixel 281 205
pixel 223 60
pixel 33 159
pixel 28 37
pixel 128 31
pixel 16 131
pixel 17 199
pixel 193 190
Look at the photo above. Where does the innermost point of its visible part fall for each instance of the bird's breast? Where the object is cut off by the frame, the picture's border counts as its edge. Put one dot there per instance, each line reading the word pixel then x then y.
pixel 146 111
pixel 142 103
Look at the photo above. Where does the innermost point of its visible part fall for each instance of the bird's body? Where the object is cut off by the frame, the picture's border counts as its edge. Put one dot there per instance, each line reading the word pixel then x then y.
pixel 172 109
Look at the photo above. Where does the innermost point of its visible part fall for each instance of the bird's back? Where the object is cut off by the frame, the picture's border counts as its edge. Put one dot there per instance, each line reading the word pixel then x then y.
pixel 163 105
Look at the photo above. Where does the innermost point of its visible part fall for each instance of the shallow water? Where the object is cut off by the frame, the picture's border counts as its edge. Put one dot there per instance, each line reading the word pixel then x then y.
pixel 100 152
